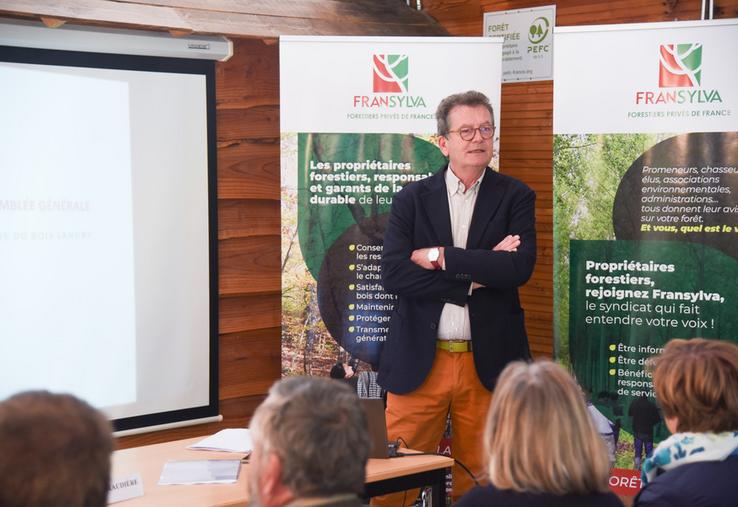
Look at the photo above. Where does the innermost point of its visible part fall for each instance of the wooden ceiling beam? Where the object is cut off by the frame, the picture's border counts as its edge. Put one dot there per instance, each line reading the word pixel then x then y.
pixel 266 19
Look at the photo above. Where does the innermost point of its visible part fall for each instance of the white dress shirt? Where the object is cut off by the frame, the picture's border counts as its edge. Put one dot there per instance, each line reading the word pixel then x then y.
pixel 454 323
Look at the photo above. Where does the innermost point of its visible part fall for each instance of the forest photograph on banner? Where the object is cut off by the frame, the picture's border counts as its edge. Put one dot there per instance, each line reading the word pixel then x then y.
pixel 645 211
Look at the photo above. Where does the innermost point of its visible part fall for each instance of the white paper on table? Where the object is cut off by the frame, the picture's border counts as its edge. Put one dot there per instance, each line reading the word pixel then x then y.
pixel 228 440
pixel 204 471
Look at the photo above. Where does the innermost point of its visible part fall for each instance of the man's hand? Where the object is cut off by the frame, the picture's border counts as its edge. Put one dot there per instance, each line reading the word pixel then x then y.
pixel 509 244
pixel 420 257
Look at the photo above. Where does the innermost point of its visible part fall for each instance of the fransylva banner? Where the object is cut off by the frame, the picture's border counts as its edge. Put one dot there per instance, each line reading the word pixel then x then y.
pixel 358 122
pixel 646 210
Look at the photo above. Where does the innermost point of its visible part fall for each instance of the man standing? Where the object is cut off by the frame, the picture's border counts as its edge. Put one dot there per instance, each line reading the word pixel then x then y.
pixel 643 416
pixel 311 445
pixel 457 247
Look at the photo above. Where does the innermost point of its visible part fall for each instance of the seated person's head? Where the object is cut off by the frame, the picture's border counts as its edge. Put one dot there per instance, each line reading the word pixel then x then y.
pixel 539 436
pixel 54 450
pixel 310 440
pixel 696 384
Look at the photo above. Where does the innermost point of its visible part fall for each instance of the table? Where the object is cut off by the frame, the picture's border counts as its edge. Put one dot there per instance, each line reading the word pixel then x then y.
pixel 399 474
pixel 382 476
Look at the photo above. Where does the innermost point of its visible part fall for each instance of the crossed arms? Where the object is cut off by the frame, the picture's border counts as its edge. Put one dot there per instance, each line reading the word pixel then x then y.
pixel 406 270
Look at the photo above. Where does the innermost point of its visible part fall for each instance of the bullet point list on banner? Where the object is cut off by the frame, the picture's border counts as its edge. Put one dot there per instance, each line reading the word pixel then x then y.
pixel 631 376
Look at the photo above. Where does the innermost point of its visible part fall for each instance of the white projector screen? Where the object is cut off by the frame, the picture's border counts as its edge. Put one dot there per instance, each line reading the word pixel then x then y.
pixel 108 268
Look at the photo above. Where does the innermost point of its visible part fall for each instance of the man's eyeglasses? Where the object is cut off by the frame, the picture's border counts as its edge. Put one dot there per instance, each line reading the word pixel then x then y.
pixel 468 133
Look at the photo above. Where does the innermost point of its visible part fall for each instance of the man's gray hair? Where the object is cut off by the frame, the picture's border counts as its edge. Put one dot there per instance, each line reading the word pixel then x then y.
pixel 319 431
pixel 471 98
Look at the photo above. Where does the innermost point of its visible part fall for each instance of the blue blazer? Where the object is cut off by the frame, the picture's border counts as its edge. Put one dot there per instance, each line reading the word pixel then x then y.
pixel 419 219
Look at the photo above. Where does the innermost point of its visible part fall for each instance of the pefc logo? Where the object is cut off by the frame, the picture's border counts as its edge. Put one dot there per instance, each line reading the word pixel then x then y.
pixel 390 73
pixel 680 65
pixel 538 30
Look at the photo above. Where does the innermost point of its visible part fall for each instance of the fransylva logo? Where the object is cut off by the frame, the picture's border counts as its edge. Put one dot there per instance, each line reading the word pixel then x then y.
pixel 680 65
pixel 390 73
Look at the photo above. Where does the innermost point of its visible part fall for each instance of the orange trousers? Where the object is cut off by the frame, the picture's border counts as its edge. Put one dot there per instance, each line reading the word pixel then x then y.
pixel 419 418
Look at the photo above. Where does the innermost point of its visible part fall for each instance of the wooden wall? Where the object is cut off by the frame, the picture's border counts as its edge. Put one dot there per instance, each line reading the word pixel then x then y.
pixel 526 125
pixel 248 190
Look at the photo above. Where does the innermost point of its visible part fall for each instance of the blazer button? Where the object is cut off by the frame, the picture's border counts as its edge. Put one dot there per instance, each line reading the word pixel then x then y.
pixel 433 325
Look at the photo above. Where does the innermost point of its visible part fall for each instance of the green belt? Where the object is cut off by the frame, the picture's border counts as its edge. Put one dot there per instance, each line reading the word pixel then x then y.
pixel 454 345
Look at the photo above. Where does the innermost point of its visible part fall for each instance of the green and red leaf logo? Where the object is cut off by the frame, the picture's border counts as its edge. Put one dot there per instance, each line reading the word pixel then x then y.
pixel 390 73
pixel 680 65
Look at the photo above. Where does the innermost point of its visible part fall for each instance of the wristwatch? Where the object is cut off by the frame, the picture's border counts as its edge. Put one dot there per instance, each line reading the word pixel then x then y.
pixel 433 255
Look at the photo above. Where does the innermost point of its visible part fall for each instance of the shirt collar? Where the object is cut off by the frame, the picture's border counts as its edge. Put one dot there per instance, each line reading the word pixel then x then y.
pixel 455 186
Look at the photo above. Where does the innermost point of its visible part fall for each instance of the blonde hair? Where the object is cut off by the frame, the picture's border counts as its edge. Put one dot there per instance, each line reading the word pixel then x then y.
pixel 696 381
pixel 539 436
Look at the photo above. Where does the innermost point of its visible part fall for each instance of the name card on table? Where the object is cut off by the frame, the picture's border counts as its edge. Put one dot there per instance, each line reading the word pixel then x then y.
pixel 125 488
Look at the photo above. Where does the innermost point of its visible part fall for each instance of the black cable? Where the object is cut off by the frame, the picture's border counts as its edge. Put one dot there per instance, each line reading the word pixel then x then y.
pixel 456 461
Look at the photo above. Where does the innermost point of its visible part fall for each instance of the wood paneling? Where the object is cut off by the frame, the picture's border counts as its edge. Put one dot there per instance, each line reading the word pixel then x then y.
pixel 240 219
pixel 248 164
pixel 725 9
pixel 249 265
pixel 246 313
pixel 249 79
pixel 248 169
pixel 461 17
pixel 250 362
pixel 254 122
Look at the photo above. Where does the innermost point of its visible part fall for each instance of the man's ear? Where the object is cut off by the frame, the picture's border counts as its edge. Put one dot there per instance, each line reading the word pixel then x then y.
pixel 273 491
pixel 271 476
pixel 442 145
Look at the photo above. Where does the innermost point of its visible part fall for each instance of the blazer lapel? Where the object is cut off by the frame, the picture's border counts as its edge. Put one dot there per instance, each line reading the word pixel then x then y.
pixel 435 202
pixel 489 198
